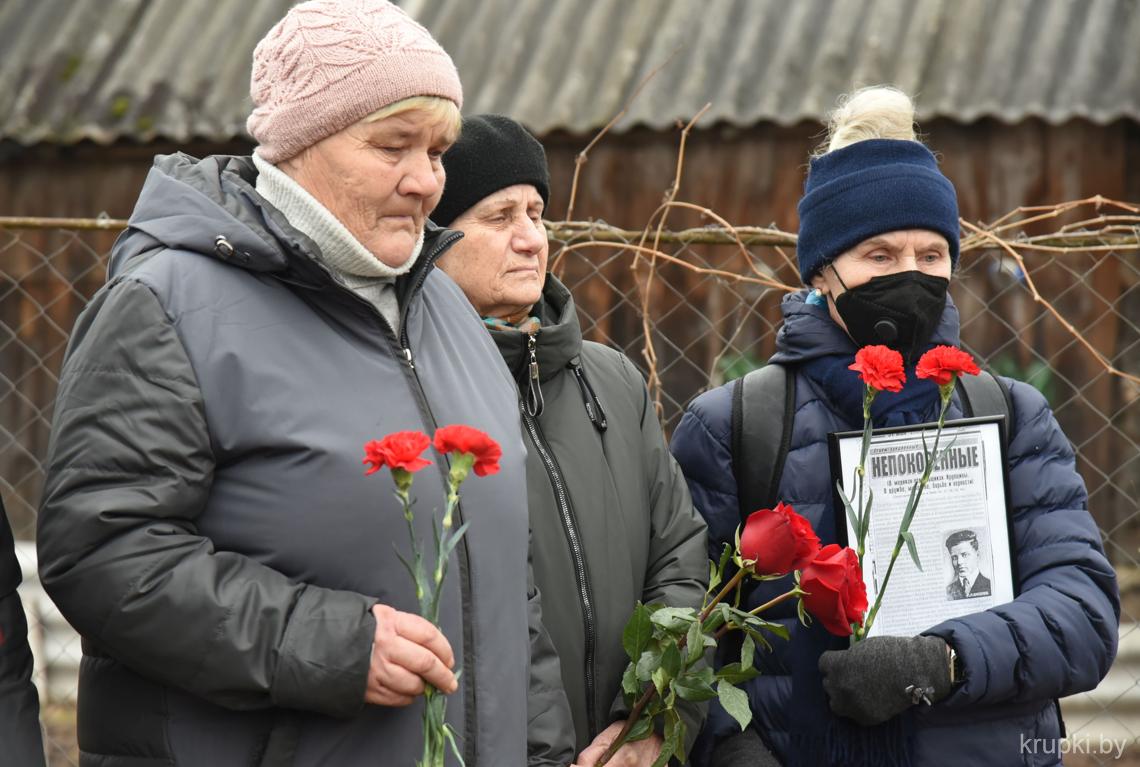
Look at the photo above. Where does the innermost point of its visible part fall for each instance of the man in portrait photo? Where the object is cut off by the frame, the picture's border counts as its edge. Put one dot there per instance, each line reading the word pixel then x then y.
pixel 968 581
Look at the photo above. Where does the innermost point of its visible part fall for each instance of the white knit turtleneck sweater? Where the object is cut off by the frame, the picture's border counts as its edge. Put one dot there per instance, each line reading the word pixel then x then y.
pixel 340 251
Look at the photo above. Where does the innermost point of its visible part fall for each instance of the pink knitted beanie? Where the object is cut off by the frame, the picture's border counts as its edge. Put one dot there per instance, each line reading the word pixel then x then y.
pixel 331 63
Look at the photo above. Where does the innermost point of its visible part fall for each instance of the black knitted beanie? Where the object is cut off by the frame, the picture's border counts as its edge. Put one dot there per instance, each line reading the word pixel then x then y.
pixel 492 153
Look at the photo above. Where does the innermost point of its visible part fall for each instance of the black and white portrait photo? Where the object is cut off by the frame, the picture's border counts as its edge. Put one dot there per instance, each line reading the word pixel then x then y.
pixel 966 558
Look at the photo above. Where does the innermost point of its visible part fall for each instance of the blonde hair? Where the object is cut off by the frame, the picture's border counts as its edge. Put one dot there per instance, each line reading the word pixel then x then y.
pixel 436 107
pixel 879 111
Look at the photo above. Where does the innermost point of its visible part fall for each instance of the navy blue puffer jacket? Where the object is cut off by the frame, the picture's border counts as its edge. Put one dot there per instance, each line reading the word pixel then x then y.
pixel 1058 637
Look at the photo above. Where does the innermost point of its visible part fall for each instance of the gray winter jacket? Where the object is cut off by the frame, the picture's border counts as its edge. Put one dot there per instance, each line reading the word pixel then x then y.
pixel 207 525
pixel 610 513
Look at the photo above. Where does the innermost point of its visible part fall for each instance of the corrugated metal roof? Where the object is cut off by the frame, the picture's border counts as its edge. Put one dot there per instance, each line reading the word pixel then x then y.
pixel 140 69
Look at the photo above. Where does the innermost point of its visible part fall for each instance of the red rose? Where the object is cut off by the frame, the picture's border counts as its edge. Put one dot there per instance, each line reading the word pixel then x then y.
pixel 834 589
pixel 880 367
pixel 400 450
pixel 778 540
pixel 464 439
pixel 942 363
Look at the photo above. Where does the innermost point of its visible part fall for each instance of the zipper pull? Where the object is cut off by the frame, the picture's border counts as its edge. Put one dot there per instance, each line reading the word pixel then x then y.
pixel 408 358
pixel 594 410
pixel 534 401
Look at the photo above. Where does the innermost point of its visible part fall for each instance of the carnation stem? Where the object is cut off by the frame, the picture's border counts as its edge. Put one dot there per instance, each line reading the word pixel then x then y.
pixel 909 512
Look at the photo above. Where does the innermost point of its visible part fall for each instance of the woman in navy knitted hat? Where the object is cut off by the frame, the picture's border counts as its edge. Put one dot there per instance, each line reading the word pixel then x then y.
pixel 878 244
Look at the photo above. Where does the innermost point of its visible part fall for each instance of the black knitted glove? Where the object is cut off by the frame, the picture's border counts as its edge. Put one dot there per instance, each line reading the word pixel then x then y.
pixel 743 750
pixel 881 677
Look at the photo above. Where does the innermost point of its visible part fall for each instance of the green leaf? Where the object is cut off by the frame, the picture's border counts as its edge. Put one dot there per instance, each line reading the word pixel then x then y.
pixel 671 660
pixel 908 536
pixel 852 518
pixel 638 632
pixel 660 680
pixel 449 733
pixel 694 643
pixel 649 661
pixel 747 648
pixel 641 729
pixel 629 682
pixel 726 553
pixel 717 618
pixel 756 624
pixel 734 673
pixel 908 515
pixel 692 687
pixel 674 738
pixel 735 702
pixel 454 539
pixel 675 620
pixel 802 613
pixel 758 637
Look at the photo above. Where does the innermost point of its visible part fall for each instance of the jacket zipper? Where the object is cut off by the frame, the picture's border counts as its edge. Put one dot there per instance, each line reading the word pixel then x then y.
pixel 580 574
pixel 401 347
pixel 533 396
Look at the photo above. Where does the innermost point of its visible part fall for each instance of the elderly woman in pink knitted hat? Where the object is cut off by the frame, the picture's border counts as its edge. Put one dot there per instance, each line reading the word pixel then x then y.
pixel 206 522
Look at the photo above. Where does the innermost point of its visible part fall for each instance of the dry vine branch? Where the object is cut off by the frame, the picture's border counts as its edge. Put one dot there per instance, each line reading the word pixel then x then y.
pixel 583 156
pixel 649 352
pixel 768 279
pixel 1012 252
pixel 671 259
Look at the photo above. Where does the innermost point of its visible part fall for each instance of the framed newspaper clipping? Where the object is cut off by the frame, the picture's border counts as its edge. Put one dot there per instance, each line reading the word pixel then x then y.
pixel 962 527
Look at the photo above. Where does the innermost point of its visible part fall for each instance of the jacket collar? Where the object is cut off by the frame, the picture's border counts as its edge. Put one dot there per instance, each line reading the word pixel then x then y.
pixel 211 206
pixel 557 342
pixel 809 332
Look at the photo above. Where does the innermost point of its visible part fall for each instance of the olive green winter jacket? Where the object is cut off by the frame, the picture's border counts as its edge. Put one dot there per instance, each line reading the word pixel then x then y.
pixel 610 514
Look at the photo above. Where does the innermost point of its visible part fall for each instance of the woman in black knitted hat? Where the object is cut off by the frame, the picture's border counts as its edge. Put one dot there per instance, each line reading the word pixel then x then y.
pixel 611 519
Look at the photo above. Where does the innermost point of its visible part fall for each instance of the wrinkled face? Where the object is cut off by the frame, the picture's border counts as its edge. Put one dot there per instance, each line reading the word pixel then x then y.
pixel 380 179
pixel 501 261
pixel 964 560
pixel 890 253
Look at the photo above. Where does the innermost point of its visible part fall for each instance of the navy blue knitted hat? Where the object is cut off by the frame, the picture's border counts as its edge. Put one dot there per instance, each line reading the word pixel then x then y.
pixel 867 188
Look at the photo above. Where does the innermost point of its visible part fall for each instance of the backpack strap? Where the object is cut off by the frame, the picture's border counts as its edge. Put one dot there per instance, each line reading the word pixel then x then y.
pixel 983 395
pixel 763 408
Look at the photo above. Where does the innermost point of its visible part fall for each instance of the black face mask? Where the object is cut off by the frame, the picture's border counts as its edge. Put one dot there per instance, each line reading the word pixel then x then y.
pixel 897 310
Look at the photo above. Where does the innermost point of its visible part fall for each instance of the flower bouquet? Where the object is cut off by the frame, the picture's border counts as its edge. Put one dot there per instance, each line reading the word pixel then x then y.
pixel 402 453
pixel 881 369
pixel 666 645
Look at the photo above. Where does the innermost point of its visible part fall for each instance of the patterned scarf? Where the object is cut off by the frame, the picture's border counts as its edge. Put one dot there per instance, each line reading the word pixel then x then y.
pixel 528 325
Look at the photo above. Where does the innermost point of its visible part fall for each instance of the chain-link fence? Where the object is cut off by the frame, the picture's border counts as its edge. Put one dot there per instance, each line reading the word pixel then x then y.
pixel 701 311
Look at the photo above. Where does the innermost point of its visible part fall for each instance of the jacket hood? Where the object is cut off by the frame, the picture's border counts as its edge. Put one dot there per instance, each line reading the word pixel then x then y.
pixel 558 341
pixel 809 332
pixel 188 204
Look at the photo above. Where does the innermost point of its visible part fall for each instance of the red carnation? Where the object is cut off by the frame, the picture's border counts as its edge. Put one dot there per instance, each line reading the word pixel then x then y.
pixel 942 363
pixel 777 540
pixel 464 439
pixel 880 367
pixel 834 591
pixel 399 450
